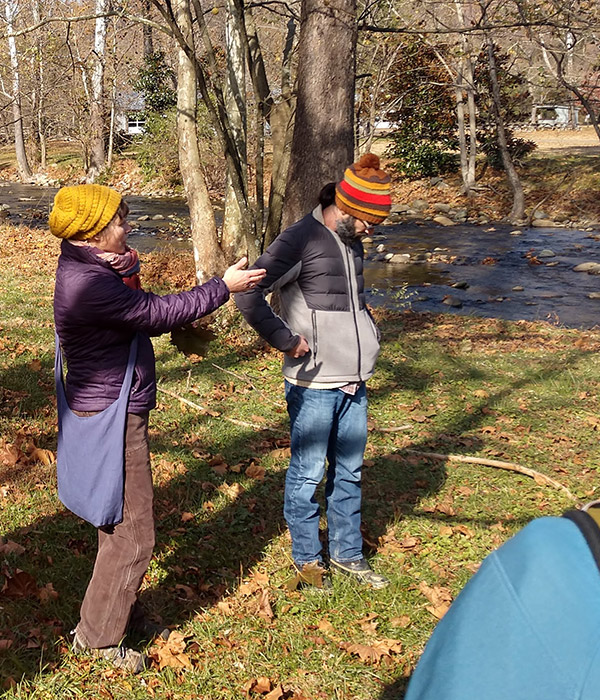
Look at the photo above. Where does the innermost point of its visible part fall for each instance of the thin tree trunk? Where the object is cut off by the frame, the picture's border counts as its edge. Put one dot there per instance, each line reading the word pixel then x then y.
pixel 259 168
pixel 237 222
pixel 20 151
pixel 97 144
pixel 38 97
pixel 323 141
pixel 147 30
pixel 208 257
pixel 281 122
pixel 467 139
pixel 517 211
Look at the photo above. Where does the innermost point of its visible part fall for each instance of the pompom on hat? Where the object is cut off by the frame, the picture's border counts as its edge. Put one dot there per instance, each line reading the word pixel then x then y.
pixel 364 193
pixel 82 211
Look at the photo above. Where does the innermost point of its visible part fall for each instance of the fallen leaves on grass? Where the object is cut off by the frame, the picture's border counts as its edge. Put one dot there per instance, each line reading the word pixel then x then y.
pixel 20 585
pixel 375 652
pixel 10 547
pixel 439 596
pixel 255 471
pixel 170 653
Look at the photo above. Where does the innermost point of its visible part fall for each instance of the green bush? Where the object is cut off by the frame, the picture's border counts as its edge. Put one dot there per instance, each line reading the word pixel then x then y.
pixel 157 148
pixel 517 147
pixel 415 159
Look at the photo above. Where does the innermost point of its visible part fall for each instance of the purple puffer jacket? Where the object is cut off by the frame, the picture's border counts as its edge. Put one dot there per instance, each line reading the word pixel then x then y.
pixel 96 316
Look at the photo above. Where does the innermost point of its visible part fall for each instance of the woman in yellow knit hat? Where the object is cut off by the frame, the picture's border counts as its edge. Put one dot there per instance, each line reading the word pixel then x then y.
pixel 104 320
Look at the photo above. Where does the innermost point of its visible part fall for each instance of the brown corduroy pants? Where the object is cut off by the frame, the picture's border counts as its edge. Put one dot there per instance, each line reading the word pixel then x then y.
pixel 124 554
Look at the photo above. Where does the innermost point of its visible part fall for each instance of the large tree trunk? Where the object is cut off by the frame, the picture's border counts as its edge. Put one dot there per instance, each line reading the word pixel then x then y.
pixel 323 141
pixel 517 212
pixel 20 152
pixel 208 257
pixel 97 145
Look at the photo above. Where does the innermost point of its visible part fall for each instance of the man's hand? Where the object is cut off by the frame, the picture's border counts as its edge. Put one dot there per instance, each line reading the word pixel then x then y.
pixel 239 280
pixel 300 350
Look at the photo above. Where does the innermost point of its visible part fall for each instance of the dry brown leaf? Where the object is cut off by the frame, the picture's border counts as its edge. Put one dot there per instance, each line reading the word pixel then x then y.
pixel 325 626
pixel 281 453
pixel 264 605
pixel 438 611
pixel 276 694
pixel 402 621
pixel 368 624
pixel 225 608
pixel 435 594
pixel 171 652
pixel 255 471
pixel 373 653
pixel 220 469
pixel 232 491
pixel 20 585
pixel 9 455
pixel 464 530
pixel 445 508
pixel 45 457
pixel 35 366
pixel 446 530
pixel 262 685
pixel 47 593
pixel 10 547
pixel 5 644
pixel 186 517
pixel 187 591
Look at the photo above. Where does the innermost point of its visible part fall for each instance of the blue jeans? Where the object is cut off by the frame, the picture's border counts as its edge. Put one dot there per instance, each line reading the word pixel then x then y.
pixel 325 424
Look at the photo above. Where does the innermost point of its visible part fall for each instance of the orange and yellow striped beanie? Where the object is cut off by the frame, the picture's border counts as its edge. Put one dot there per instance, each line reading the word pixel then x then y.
pixel 364 193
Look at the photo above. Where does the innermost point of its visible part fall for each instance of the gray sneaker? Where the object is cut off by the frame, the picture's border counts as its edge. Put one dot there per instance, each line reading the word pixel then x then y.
pixel 361 571
pixel 120 657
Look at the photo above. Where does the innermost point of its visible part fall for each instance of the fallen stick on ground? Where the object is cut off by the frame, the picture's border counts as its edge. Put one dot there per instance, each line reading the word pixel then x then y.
pixel 204 409
pixel 248 381
pixel 538 477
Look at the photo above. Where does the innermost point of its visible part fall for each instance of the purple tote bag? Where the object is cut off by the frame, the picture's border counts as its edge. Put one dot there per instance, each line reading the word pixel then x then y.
pixel 90 454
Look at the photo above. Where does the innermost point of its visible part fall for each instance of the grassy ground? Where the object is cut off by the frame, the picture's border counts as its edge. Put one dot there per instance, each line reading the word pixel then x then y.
pixel 518 392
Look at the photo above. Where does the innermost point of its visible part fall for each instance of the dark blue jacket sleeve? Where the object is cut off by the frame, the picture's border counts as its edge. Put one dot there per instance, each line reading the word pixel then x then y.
pixel 282 261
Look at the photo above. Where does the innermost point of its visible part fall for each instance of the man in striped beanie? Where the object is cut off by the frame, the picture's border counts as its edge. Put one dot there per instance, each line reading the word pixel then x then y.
pixel 330 344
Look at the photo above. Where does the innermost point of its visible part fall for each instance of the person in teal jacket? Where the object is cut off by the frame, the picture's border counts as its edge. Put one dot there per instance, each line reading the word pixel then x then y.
pixel 527 625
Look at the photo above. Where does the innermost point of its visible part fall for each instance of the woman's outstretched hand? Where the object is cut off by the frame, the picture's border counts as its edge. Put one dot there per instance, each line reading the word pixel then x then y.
pixel 239 280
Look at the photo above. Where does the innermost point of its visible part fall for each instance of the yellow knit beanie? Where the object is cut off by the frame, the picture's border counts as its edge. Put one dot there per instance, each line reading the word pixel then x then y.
pixel 82 211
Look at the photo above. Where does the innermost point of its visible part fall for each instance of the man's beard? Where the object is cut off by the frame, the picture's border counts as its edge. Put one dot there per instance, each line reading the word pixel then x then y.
pixel 346 231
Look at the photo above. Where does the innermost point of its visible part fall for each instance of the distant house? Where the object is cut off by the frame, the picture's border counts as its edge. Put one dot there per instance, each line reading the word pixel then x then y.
pixel 555 116
pixel 129 113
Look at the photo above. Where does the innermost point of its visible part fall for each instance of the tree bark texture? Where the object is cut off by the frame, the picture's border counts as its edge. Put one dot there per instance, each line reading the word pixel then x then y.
pixel 238 226
pixel 208 257
pixel 97 145
pixel 20 151
pixel 323 141
pixel 147 30
pixel 281 122
pixel 517 211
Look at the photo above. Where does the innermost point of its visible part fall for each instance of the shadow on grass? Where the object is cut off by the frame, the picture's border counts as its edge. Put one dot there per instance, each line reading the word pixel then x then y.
pixel 204 556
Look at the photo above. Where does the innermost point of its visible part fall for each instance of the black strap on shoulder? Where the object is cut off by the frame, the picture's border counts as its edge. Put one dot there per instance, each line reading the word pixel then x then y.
pixel 589 524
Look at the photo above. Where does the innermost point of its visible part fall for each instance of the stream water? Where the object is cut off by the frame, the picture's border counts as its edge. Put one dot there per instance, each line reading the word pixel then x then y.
pixel 492 266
